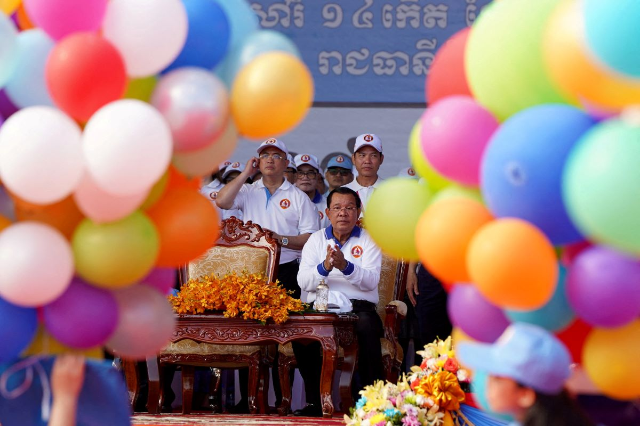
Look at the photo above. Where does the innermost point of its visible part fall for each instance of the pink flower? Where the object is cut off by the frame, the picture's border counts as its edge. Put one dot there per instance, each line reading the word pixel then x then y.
pixel 410 421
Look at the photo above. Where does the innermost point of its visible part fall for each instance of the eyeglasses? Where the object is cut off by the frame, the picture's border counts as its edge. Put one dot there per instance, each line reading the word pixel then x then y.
pixel 274 156
pixel 337 209
pixel 310 174
pixel 336 172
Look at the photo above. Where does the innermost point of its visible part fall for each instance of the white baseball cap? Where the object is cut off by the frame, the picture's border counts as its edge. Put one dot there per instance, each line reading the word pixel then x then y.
pixel 291 164
pixel 224 164
pixel 309 159
pixel 233 167
pixel 276 143
pixel 368 139
pixel 408 172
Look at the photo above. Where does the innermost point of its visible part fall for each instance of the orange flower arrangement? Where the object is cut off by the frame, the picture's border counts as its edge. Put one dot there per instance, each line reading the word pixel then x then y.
pixel 247 295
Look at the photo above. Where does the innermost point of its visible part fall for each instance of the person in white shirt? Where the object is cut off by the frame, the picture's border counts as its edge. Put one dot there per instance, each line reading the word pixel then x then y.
pixel 368 158
pixel 307 172
pixel 290 171
pixel 345 256
pixel 231 171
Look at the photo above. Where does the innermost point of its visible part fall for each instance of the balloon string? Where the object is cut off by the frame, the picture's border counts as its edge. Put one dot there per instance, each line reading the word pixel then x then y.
pixel 28 364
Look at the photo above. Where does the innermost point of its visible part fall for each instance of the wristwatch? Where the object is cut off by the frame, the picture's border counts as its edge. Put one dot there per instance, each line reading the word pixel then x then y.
pixel 285 241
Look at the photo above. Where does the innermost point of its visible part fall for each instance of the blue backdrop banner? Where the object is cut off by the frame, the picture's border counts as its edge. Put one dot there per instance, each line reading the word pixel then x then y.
pixel 371 51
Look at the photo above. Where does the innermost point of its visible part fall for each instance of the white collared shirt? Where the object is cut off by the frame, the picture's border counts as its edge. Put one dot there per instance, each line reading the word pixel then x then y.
pixel 360 278
pixel 211 192
pixel 288 211
pixel 364 192
pixel 320 200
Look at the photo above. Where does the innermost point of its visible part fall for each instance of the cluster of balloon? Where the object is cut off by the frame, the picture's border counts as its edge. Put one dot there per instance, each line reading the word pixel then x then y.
pixel 529 206
pixel 111 111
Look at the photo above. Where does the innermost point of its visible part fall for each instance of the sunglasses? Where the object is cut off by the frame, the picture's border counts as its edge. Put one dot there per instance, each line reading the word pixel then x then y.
pixel 336 172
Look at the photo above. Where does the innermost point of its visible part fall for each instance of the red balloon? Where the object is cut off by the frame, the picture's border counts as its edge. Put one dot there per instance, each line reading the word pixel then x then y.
pixel 447 75
pixel 85 72
pixel 574 337
pixel 570 251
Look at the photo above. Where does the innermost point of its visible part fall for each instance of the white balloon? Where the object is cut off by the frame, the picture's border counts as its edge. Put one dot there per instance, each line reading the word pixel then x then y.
pixel 41 154
pixel 127 147
pixel 36 264
pixel 149 34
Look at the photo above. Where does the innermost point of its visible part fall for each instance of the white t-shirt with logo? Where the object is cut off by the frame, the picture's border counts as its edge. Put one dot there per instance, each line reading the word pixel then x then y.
pixel 211 192
pixel 364 192
pixel 320 200
pixel 289 211
pixel 360 278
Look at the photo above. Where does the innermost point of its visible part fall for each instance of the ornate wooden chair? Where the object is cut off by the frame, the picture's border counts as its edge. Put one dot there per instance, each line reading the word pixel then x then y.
pixel 240 247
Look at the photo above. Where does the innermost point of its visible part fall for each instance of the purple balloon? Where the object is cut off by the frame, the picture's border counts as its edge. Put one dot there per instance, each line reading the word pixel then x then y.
pixel 473 314
pixel 603 287
pixel 7 107
pixel 83 317
pixel 162 279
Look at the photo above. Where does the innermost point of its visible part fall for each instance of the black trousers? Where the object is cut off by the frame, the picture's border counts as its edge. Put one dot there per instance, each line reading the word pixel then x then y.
pixel 369 330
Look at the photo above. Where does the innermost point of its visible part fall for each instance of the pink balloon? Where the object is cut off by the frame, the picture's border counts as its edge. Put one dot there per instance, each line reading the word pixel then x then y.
pixel 59 18
pixel 162 279
pixel 36 264
pixel 455 132
pixel 145 325
pixel 101 206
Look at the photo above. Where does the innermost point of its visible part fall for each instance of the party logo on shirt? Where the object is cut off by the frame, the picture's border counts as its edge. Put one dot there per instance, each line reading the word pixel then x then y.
pixel 305 158
pixel 321 215
pixel 285 204
pixel 213 195
pixel 339 159
pixel 368 138
pixel 411 172
pixel 356 251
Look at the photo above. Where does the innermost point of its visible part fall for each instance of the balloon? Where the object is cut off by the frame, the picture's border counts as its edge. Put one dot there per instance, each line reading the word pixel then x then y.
pixel 574 337
pixel 19 326
pixel 618 349
pixel 242 20
pixel 396 196
pixel 6 204
pixel 141 88
pixel 146 323
pixel 443 234
pixel 601 183
pixel 208 36
pixel 162 279
pixel 157 191
pixel 420 164
pixel 454 150
pixel 9 6
pixel 513 264
pixel 603 287
pixel 206 160
pixel 523 164
pixel 610 32
pixel 28 86
pixel 8 49
pixel 569 252
pixel 4 223
pixel 101 206
pixel 83 316
pixel 7 107
pixel 148 33
pixel 271 76
pixel 59 18
pixel 115 254
pixel 574 71
pixel 474 315
pixel 24 22
pixel 127 145
pixel 39 143
pixel 85 72
pixel 556 315
pixel 255 44
pixel 195 104
pixel 187 224
pixel 510 32
pixel 455 191
pixel 447 75
pixel 63 215
pixel 45 344
pixel 36 264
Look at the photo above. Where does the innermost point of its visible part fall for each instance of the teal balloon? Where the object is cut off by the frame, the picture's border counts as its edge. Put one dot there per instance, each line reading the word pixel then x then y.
pixel 601 185
pixel 28 87
pixel 479 389
pixel 556 315
pixel 8 48
pixel 242 20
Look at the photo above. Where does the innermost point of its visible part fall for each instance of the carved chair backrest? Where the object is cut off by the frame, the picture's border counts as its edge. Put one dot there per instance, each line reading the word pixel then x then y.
pixel 240 247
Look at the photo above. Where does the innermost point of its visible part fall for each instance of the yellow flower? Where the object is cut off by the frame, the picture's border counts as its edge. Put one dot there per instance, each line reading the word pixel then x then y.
pixel 376 419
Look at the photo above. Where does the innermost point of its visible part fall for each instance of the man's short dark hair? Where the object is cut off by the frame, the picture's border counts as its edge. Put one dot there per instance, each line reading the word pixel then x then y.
pixel 344 190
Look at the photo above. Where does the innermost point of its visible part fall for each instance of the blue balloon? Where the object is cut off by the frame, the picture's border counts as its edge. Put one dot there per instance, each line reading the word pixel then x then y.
pixel 612 33
pixel 521 171
pixel 19 326
pixel 479 389
pixel 8 48
pixel 29 86
pixel 556 315
pixel 208 37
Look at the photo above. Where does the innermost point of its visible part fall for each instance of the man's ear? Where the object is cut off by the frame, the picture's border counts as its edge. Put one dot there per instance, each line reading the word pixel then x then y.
pixel 526 397
pixel 326 211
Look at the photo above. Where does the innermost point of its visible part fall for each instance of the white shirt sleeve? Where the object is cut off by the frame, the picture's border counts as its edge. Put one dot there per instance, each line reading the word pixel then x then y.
pixel 241 198
pixel 308 275
pixel 309 221
pixel 367 275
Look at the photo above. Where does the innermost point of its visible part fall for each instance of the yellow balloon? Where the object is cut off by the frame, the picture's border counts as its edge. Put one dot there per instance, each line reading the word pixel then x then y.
pixel 45 344
pixel 421 165
pixel 456 191
pixel 610 358
pixel 271 95
pixel 9 6
pixel 141 88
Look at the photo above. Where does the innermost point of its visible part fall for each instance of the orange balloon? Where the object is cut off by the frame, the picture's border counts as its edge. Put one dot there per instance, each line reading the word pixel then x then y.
pixel 188 225
pixel 63 215
pixel 574 72
pixel 271 95
pixel 179 180
pixel 513 264
pixel 24 22
pixel 4 222
pixel 443 234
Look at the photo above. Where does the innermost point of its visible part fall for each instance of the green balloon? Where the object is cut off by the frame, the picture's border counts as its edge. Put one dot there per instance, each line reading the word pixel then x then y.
pixel 392 214
pixel 601 185
pixel 504 61
pixel 141 88
pixel 115 254
pixel 421 165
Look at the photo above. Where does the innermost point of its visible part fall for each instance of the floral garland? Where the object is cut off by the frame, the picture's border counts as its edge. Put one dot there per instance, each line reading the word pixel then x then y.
pixel 247 295
pixel 429 396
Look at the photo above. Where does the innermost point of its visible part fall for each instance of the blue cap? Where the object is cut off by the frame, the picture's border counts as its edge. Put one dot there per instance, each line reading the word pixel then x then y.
pixel 341 161
pixel 525 353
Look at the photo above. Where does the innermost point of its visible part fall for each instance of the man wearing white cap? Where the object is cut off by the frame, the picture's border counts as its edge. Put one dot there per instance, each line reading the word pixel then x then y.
pixel 307 172
pixel 367 157
pixel 212 189
pixel 290 171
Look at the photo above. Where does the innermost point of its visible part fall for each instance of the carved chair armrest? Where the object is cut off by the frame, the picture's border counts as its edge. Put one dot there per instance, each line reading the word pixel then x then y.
pixel 395 311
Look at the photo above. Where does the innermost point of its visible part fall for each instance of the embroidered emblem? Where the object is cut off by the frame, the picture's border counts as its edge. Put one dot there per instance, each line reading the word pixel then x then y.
pixel 271 141
pixel 368 138
pixel 227 163
pixel 321 215
pixel 285 204
pixel 411 172
pixel 235 165
pixel 213 195
pixel 305 158
pixel 339 159
pixel 356 251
